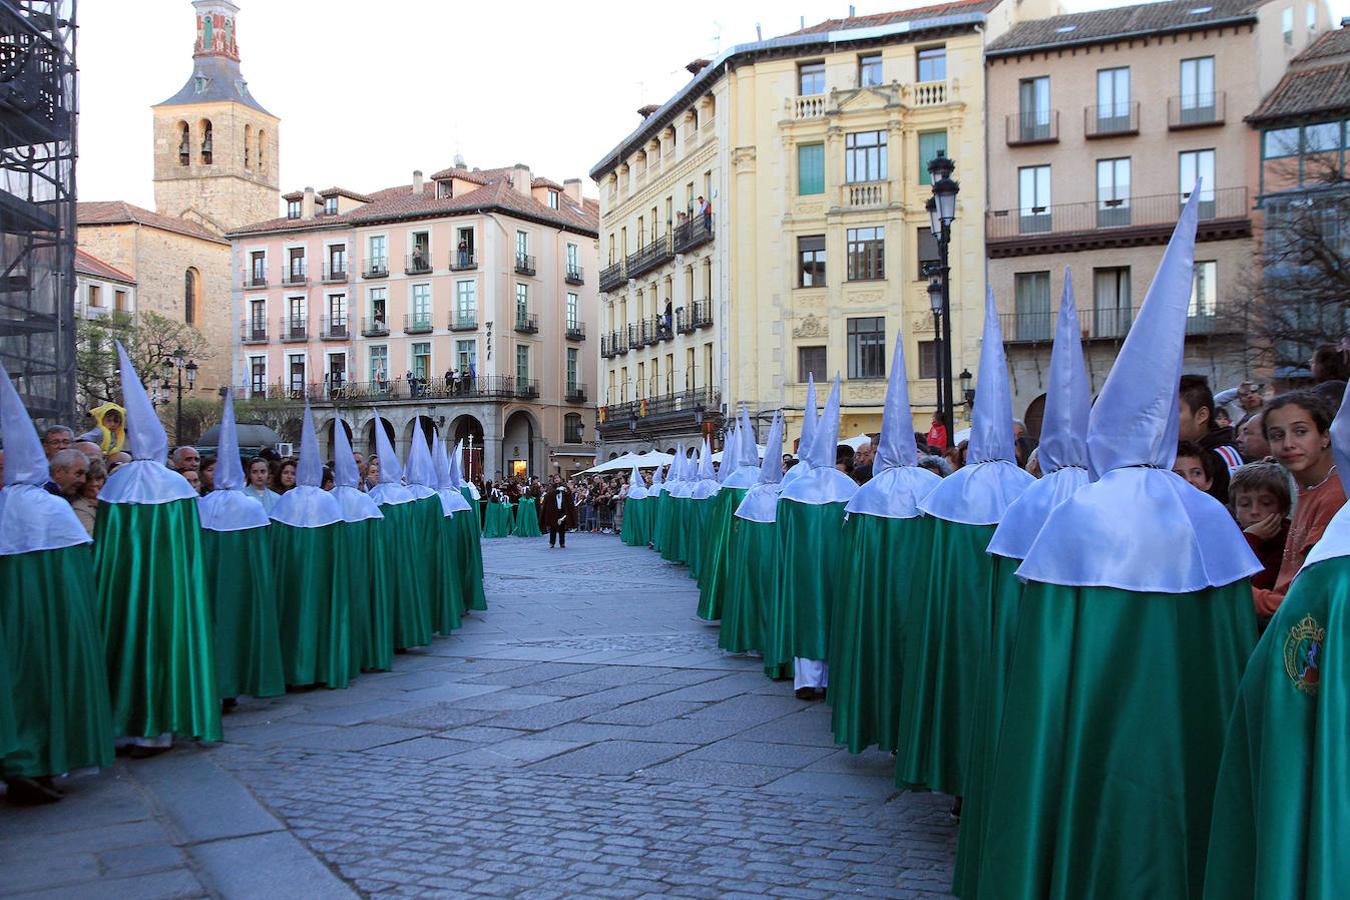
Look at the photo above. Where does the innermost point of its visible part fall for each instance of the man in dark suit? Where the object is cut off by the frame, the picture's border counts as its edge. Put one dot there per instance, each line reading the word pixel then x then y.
pixel 559 512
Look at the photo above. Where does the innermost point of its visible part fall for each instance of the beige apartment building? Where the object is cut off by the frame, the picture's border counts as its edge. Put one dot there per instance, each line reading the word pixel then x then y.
pixel 1100 123
pixel 812 151
pixel 464 302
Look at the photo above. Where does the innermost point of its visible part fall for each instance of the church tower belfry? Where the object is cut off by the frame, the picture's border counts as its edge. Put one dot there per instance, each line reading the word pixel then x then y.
pixel 216 147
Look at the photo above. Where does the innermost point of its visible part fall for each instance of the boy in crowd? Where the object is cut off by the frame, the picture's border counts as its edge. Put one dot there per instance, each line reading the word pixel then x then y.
pixel 1197 465
pixel 1261 502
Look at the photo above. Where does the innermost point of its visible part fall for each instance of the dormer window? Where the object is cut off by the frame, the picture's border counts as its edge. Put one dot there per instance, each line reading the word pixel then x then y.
pixel 199 84
pixel 292 209
pixel 330 206
pixel 552 199
pixel 445 189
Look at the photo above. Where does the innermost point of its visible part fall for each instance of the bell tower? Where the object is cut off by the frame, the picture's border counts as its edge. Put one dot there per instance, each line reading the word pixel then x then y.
pixel 216 147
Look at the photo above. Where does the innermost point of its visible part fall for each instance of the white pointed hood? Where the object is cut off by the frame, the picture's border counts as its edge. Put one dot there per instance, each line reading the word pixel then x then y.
pixel 307 505
pixel 658 482
pixel 810 415
pixel 637 488
pixel 144 479
pixel 1139 527
pixel 681 484
pixel 227 507
pixel 897 485
pixel 761 501
pixel 356 504
pixel 822 483
pixel 982 490
pixel 730 453
pixel 705 484
pixel 420 472
pixel 745 470
pixel 447 485
pixel 30 518
pixel 389 489
pixel 1063 447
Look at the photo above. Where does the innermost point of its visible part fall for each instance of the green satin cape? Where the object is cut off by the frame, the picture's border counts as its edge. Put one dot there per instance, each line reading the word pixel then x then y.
pixel 697 527
pixel 365 563
pixel 712 574
pixel 1109 747
pixel 1281 825
pixel 469 556
pixel 527 519
pixel 53 659
pixel 155 619
pixel 9 733
pixel 313 605
pixel 445 602
pixel 636 527
pixel 238 570
pixel 942 660
pixel 660 520
pixel 810 546
pixel 409 581
pixel 884 571
pixel 752 582
pixel 676 535
pixel 499 522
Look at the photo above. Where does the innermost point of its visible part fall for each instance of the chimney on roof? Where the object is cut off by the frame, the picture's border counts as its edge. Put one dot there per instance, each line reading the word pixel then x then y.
pixel 521 179
pixel 307 205
pixel 572 188
pixel 417 182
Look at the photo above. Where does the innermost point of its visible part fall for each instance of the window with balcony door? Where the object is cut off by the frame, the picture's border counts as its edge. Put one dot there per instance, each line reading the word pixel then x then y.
pixel 866 253
pixel 1310 16
pixel 573 260
pixel 811 261
pixel 296 261
pixel 932 64
pixel 295 323
pixel 379 364
pixel 522 364
pixel 378 253
pixel 421 305
pixel 1111 304
pixel 466 356
pixel 573 363
pixel 522 245
pixel 337 369
pixel 1197 91
pixel 1033 109
pixel 464 246
pixel 1287 24
pixel 1033 199
pixel 1031 299
pixel 421 254
pixel 869 69
pixel 810 169
pixel 257 375
pixel 296 367
pixel 337 261
pixel 466 302
pixel 573 313
pixel 378 312
pixel 573 429
pixel 811 364
pixel 927 251
pixel 421 359
pixel 930 144
pixel 1113 192
pixel 864 156
pixel 1113 100
pixel 522 303
pixel 1196 165
pixel 257 320
pixel 867 347
pixel 1204 290
pixel 337 315
pixel 811 78
pixel 257 268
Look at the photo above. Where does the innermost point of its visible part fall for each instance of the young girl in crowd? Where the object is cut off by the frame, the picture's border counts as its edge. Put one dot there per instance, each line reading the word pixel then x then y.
pixel 1260 499
pixel 285 476
pixel 258 474
pixel 1296 425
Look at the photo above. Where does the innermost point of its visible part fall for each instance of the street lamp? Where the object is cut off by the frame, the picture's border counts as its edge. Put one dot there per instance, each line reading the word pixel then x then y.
pixel 966 390
pixel 179 363
pixel 941 209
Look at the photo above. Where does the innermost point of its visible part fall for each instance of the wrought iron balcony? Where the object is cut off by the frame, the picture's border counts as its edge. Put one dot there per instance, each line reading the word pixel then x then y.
pixel 1195 110
pixel 657 253
pixel 693 233
pixel 612 277
pixel 335 275
pixel 256 279
pixel 1111 120
pixel 294 329
pixel 701 314
pixel 378 268
pixel 574 275
pixel 609 345
pixel 524 264
pixel 463 262
pixel 575 393
pixel 463 323
pixel 417 323
pixel 1110 324
pixel 295 275
pixel 253 331
pixel 1039 126
pixel 374 326
pixel 392 390
pixel 418 263
pixel 527 388
pixel 674 407
pixel 576 331
pixel 527 323
pixel 334 328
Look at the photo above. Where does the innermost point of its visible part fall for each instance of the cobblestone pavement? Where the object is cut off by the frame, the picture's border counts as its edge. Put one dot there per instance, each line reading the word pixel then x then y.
pixel 583 737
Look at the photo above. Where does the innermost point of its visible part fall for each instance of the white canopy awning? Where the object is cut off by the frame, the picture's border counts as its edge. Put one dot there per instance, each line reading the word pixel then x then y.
pixel 649 460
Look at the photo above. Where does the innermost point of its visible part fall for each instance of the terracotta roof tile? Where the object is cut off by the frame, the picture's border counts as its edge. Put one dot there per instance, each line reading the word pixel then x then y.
pixel 119 212
pixel 477 176
pixel 905 15
pixel 343 192
pixel 1328 43
pixel 546 183
pixel 1307 92
pixel 88 264
pixel 1111 24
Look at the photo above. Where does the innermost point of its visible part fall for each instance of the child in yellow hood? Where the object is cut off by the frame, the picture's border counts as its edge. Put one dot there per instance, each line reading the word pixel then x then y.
pixel 110 433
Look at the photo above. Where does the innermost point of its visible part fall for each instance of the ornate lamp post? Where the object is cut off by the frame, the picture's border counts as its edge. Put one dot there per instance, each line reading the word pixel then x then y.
pixel 942 213
pixel 179 363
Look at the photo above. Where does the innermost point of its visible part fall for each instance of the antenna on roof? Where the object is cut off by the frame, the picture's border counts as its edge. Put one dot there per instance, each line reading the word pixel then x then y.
pixel 851 12
pixel 759 36
pixel 802 26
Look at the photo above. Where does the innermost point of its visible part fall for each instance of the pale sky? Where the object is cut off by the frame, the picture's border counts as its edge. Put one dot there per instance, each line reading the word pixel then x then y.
pixel 367 92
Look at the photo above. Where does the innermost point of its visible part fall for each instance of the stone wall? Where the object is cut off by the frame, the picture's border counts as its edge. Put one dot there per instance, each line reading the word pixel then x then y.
pixel 227 193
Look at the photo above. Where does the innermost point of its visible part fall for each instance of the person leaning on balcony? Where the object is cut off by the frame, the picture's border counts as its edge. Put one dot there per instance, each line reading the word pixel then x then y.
pixel 705 210
pixel 666 316
pixel 463 252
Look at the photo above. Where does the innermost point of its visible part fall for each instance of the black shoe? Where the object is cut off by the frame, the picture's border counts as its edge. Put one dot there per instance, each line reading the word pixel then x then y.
pixel 30 792
pixel 805 693
pixel 136 751
pixel 228 704
pixel 956 809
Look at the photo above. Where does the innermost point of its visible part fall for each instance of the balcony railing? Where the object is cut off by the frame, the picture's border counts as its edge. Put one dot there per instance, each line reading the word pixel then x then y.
pixel 681 402
pixel 1195 110
pixel 1108 324
pixel 463 262
pixel 576 331
pixel 929 93
pixel 612 277
pixel 256 279
pixel 808 106
pixel 253 331
pixel 527 388
pixel 376 268
pixel 294 329
pixel 1039 126
pixel 417 323
pixel 334 328
pixel 697 315
pixel 1159 210
pixel 575 393
pixel 418 263
pixel 659 252
pixel 524 264
pixel 1111 120
pixel 864 195
pixel 484 387
pixel 374 326
pixel 335 275
pixel 527 323
pixel 462 322
pixel 295 275
pixel 574 275
pixel 693 233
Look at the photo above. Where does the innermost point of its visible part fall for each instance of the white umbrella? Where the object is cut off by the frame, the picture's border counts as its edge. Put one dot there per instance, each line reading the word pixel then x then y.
pixel 628 460
pixel 857 442
pixel 717 457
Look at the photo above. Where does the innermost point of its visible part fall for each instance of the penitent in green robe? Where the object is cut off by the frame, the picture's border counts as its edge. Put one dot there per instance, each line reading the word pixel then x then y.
pixel 1113 727
pixel 238 570
pixel 314 605
pixel 527 519
pixel 883 584
pixel 499 522
pixel 155 617
pixel 810 544
pixel 695 547
pixel 408 578
pixel 942 659
pixel 445 601
pixel 54 709
pixel 365 566
pixel 712 575
pixel 659 517
pixel 752 592
pixel 468 552
pixel 636 527
pixel 1281 825
pixel 674 538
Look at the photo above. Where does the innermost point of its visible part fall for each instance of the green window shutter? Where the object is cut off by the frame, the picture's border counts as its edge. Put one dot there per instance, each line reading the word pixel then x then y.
pixel 929 144
pixel 811 169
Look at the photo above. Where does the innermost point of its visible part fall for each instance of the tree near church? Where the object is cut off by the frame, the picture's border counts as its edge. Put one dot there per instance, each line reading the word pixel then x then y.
pixel 150 340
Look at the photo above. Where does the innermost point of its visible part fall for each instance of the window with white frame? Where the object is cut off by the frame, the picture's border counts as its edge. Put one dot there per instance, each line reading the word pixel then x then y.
pixel 378 253
pixel 379 312
pixel 573 315
pixel 466 356
pixel 1197 165
pixel 378 357
pixel 522 302
pixel 864 156
pixel 466 302
pixel 257 376
pixel 421 305
pixel 573 365
pixel 1204 289
pixel 419 359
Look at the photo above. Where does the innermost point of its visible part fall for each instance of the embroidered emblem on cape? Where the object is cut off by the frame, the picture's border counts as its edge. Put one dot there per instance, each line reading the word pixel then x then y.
pixel 1303 654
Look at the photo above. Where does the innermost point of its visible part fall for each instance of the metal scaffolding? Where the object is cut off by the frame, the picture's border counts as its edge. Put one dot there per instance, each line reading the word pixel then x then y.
pixel 38 103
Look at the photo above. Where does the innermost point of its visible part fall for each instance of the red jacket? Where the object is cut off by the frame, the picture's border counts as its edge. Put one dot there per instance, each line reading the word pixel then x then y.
pixel 937 436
